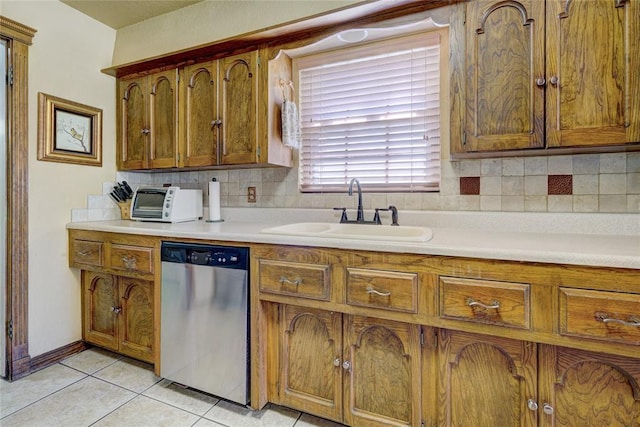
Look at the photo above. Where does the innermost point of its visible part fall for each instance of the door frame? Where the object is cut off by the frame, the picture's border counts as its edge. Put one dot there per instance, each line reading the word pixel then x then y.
pixel 17 281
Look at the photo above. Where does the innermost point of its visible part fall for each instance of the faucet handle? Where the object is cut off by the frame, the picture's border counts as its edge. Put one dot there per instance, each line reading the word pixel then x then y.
pixel 394 215
pixel 343 217
pixel 376 216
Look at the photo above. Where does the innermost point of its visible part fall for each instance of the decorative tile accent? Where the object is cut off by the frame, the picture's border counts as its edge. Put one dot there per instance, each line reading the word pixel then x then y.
pixel 469 185
pixel 560 184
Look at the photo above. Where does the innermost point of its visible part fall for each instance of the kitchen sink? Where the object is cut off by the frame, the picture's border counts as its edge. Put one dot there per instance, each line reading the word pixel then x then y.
pixel 402 233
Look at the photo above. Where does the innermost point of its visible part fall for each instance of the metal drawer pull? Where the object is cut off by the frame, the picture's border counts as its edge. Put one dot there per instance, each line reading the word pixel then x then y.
pixel 129 262
pixel 83 253
pixel 604 317
pixel 494 304
pixel 297 281
pixel 116 310
pixel 371 290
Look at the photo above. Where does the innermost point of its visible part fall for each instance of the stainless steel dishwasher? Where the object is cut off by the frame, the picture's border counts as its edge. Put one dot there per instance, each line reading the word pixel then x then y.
pixel 204 318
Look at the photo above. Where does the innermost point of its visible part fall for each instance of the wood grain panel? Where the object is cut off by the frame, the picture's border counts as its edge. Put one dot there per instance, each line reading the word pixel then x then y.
pixel 163 119
pixel 589 389
pixel 383 382
pixel 296 279
pixel 100 318
pixel 86 252
pixel 311 376
pixel 132 140
pixel 485 381
pixel 132 258
pixel 390 290
pixel 485 301
pixel 584 313
pixel 239 108
pixel 136 335
pixel 199 109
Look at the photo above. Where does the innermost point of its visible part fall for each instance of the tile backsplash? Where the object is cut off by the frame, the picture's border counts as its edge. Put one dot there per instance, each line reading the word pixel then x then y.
pixel 569 183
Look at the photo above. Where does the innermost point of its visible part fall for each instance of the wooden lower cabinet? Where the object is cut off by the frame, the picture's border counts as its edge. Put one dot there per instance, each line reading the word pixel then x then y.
pixel 352 369
pixel 492 381
pixel 581 388
pixel 485 381
pixel 118 314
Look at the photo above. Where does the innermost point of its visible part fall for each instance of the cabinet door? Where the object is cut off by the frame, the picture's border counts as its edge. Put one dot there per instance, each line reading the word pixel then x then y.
pixel 504 59
pixel 136 318
pixel 163 118
pixel 310 362
pixel 485 381
pixel 239 108
pixel 593 58
pixel 579 388
pixel 100 309
pixel 199 109
pixel 382 372
pixel 133 128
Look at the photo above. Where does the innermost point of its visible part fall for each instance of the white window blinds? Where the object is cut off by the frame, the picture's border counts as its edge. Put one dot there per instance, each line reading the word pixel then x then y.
pixel 372 112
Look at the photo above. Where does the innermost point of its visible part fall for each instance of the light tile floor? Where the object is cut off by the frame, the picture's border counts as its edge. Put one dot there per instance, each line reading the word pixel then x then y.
pixel 100 388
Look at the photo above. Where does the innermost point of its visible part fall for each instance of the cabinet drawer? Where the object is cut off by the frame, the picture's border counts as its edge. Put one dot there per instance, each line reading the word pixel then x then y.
pixel 604 315
pixel 485 301
pixel 292 278
pixel 390 290
pixel 135 259
pixel 87 252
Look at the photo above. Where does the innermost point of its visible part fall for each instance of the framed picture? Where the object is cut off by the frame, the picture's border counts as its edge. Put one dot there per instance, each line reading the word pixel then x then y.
pixel 69 132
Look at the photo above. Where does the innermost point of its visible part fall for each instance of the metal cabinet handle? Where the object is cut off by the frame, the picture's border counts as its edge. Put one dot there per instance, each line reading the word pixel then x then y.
pixel 297 281
pixel 336 362
pixel 532 405
pixel 605 318
pixel 371 290
pixel 346 365
pixel 83 253
pixel 116 310
pixel 554 80
pixel 494 304
pixel 540 81
pixel 547 409
pixel 145 131
pixel 129 262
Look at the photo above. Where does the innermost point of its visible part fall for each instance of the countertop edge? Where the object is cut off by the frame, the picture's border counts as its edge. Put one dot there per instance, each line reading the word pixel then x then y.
pixel 509 246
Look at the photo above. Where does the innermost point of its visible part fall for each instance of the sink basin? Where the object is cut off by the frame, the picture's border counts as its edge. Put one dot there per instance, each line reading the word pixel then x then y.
pixel 402 233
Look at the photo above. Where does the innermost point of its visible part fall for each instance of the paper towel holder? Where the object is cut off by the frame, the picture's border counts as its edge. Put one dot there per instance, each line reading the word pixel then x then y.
pixel 214 220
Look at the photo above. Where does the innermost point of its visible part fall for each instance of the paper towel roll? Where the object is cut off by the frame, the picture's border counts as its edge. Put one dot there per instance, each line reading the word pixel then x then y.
pixel 214 201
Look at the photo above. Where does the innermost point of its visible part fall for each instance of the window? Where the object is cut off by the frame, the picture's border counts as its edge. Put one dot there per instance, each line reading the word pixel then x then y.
pixel 372 112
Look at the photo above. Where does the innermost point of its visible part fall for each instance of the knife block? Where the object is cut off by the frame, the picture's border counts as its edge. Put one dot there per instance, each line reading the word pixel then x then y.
pixel 125 209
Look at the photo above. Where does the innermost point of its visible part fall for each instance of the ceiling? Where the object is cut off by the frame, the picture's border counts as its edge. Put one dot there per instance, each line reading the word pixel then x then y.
pixel 121 13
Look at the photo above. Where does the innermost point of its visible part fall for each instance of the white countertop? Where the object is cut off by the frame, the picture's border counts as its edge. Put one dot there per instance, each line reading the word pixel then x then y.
pixel 607 240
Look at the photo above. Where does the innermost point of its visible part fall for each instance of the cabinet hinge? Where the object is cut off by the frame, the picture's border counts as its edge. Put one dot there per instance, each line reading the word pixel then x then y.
pixel 258 61
pixel 258 152
pixel 10 76
pixel 10 329
pixel 464 18
pixel 178 157
pixel 421 338
pixel 464 138
pixel 435 339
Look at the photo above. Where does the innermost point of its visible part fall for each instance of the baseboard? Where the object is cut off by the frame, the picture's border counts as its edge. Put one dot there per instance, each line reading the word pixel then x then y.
pixel 54 356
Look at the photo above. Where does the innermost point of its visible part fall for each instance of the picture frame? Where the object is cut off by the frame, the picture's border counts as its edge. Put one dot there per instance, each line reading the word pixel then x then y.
pixel 69 132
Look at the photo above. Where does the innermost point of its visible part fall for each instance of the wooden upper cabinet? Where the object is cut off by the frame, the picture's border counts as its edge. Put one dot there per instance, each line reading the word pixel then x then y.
pixel 533 74
pixel 593 58
pixel 132 124
pixel 239 108
pixel 199 114
pixel 163 104
pixel 147 121
pixel 505 108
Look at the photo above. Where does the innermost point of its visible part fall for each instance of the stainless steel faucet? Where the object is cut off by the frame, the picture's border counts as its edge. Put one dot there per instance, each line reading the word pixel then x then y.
pixel 360 217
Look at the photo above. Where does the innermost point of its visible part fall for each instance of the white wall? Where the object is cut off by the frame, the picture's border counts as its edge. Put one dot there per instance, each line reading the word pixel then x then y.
pixel 209 21
pixel 65 59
